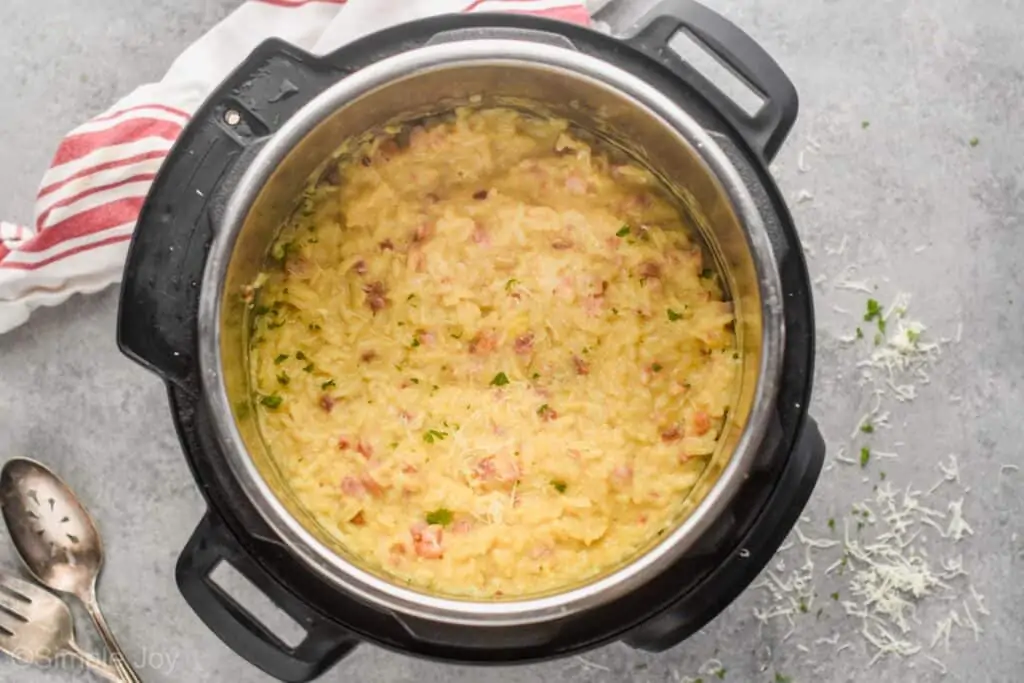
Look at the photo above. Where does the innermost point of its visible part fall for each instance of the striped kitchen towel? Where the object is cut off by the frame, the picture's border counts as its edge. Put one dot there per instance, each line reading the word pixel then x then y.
pixel 91 195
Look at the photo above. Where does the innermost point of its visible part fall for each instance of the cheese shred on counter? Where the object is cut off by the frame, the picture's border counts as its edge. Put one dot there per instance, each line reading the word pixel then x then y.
pixel 490 360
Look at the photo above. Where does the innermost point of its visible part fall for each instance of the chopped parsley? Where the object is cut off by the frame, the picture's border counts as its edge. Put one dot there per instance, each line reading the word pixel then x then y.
pixel 973 142
pixel 299 355
pixel 283 379
pixel 314 327
pixel 867 428
pixel 328 384
pixel 779 678
pixel 835 596
pixel 442 516
pixel 272 401
pixel 832 524
pixel 864 124
pixel 623 231
pixel 656 367
pixel 510 285
pixel 280 359
pixel 881 475
pixel 673 316
pixel 802 606
pixel 415 342
pixel 720 673
pixel 500 380
pixel 261 310
pixel 536 375
pixel 707 273
pixel 860 333
pixel 913 336
pixel 559 485
pixel 874 310
pixel 308 367
pixel 433 435
pixel 865 456
pixel 543 409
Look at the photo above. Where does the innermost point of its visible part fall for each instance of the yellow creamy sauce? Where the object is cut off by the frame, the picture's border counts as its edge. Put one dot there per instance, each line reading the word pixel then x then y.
pixel 489 361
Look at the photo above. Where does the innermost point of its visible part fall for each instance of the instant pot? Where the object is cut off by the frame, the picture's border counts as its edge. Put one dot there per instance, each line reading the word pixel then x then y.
pixel 239 170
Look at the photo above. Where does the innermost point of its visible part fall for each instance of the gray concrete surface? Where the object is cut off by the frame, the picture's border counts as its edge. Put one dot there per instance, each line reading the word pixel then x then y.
pixel 921 210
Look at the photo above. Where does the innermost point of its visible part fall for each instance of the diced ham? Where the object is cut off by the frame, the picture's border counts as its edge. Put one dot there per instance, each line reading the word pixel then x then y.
pixel 649 270
pixel 582 366
pixel 423 232
pixel 593 305
pixel 540 552
pixel 701 422
pixel 368 356
pixel 376 296
pixel 359 267
pixel 496 471
pixel 480 195
pixel 298 266
pixel 562 243
pixel 685 458
pixel 484 342
pixel 524 344
pixel 327 402
pixel 671 434
pixel 427 541
pixel 344 444
pixel 364 449
pixel 576 185
pixel 359 519
pixel 480 236
pixel 371 486
pixel 351 486
pixel 387 245
pixel 410 469
pixel 621 476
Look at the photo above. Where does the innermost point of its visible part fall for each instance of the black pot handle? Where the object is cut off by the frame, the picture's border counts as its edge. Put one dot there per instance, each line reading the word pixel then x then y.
pixel 325 642
pixel 764 130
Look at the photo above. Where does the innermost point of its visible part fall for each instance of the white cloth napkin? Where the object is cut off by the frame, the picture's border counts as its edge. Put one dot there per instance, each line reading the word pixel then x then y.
pixel 90 197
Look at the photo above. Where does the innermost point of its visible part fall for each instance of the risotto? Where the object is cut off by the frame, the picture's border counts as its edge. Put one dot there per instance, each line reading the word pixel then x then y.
pixel 488 358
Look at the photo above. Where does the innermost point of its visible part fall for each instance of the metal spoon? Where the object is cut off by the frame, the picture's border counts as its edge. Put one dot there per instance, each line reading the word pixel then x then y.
pixel 58 541
pixel 36 627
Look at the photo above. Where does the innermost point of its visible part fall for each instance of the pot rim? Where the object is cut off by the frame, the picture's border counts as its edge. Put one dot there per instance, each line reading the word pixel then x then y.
pixel 373 588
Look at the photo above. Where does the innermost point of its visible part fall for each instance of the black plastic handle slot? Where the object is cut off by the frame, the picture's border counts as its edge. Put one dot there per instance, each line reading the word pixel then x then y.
pixel 501 33
pixel 764 127
pixel 324 644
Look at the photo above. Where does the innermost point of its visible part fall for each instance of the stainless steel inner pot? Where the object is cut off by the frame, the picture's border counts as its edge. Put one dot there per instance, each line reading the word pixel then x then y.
pixel 548 80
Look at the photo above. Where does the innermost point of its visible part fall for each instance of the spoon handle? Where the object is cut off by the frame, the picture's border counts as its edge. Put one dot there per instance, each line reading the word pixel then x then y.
pixel 100 668
pixel 124 669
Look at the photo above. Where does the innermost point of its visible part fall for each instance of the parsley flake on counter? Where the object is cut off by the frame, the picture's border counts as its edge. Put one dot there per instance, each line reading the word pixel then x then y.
pixel 835 596
pixel 874 310
pixel 867 428
pixel 280 359
pixel 865 456
pixel 973 142
pixel 272 401
pixel 860 333
pixel 559 485
pixel 433 435
pixel 779 678
pixel 623 231
pixel 673 316
pixel 864 124
pixel 832 524
pixel 442 516
pixel 720 673
pixel 500 380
